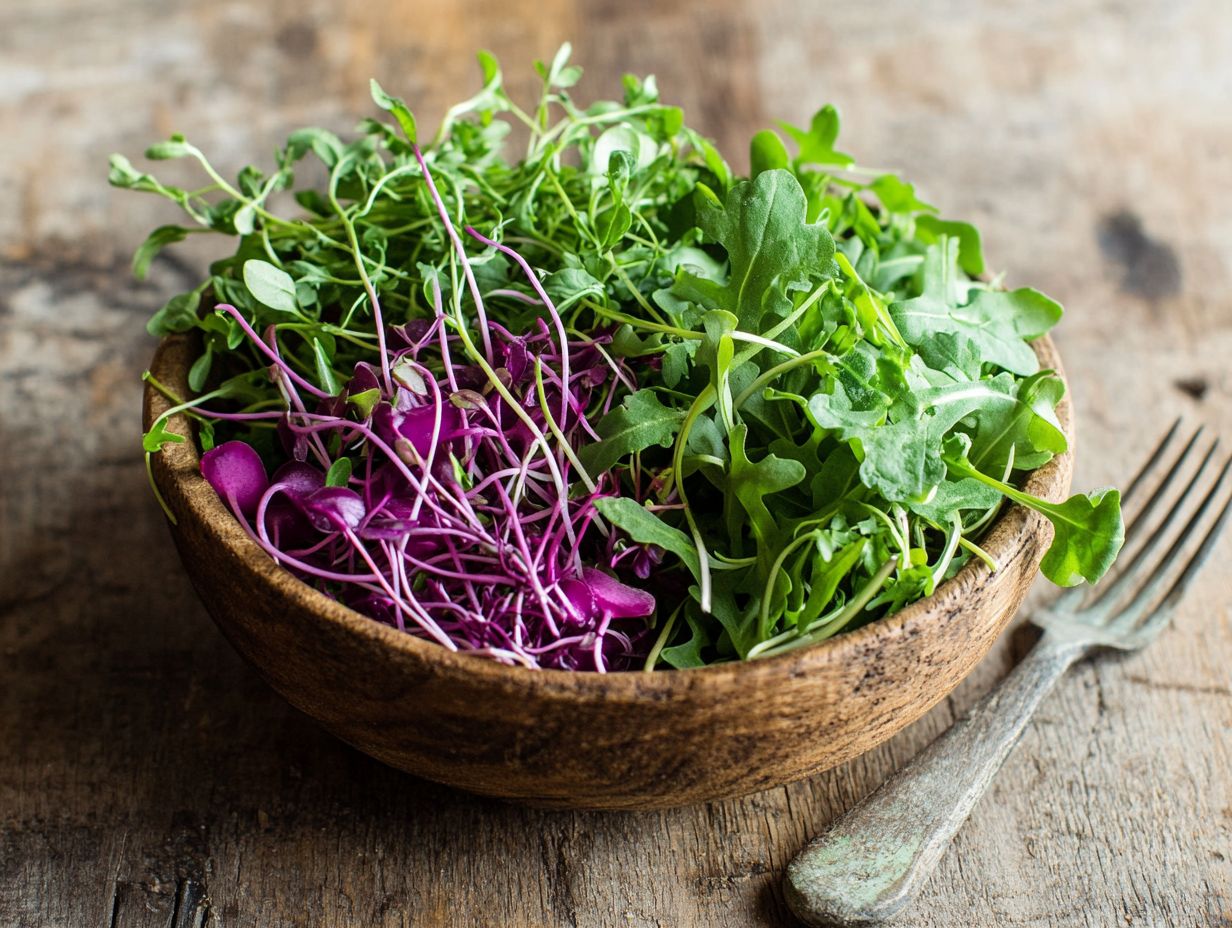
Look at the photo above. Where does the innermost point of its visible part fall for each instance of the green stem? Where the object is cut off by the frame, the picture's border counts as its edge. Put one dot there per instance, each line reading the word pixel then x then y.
pixel 704 401
pixel 850 611
pixel 763 621
pixel 775 372
pixel 664 636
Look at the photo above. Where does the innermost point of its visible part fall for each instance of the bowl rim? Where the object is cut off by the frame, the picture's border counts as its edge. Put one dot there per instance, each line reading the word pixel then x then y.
pixel 177 474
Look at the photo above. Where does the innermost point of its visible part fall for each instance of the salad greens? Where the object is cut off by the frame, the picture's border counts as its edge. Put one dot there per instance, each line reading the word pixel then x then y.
pixel 609 405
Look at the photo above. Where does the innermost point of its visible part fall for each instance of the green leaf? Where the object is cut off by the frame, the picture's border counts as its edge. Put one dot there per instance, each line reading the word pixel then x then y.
pixel 200 370
pixel 860 397
pixel 713 160
pixel 489 67
pixel 612 224
pixel 154 243
pixel 559 65
pixel 122 174
pixel 339 473
pixel 570 284
pixel 159 435
pixel 716 352
pixel 996 322
pixel 640 148
pixel 898 196
pixel 826 580
pixel 1024 425
pixel 644 527
pixel 1030 313
pixel 770 248
pixel 953 354
pixel 321 142
pixel 245 219
pixel 951 496
pixel 1088 530
pixel 1088 535
pixel 817 143
pixel 178 314
pixel 270 285
pixel 676 360
pixel 900 460
pixel 970 252
pixel 395 105
pixel 175 147
pixel 752 481
pixel 640 422
pixel 325 371
pixel 740 624
pixel 767 152
pixel 365 401
pixel 689 653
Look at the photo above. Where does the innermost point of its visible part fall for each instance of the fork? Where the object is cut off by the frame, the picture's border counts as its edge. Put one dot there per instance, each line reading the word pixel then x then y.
pixel 873 861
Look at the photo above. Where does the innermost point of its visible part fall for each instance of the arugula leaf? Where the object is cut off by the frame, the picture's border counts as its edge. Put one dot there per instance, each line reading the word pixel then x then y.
pixel 930 229
pixel 817 143
pixel 898 196
pixel 952 353
pixel 640 422
pixel 690 653
pixel 994 321
pixel 644 527
pixel 770 248
pixel 751 482
pixel 1023 427
pixel 767 152
pixel 953 496
pixel 159 435
pixel 178 314
pixel 902 460
pixel 829 573
pixel 1088 530
pixel 738 622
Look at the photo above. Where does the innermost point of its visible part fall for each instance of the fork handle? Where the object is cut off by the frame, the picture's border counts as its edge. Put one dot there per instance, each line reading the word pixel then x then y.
pixel 872 862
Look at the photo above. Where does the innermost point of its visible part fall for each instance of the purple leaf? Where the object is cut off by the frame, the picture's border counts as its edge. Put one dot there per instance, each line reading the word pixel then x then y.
pixel 365 379
pixel 299 479
pixel 236 473
pixel 596 594
pixel 615 598
pixel 334 508
pixel 415 425
pixel 580 598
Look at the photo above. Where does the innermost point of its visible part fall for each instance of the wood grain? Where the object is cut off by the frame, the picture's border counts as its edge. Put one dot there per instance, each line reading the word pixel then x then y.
pixel 139 755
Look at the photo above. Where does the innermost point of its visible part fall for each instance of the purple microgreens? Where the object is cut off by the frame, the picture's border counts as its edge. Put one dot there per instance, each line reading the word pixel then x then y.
pixel 447 508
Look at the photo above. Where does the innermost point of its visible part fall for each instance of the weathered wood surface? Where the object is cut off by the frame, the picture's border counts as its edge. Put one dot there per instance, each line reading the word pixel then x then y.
pixel 148 778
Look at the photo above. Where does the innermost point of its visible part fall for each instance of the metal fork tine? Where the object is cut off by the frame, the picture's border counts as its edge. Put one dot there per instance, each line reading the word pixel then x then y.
pixel 1200 556
pixel 1149 464
pixel 1107 598
pixel 1069 600
pixel 1162 615
pixel 1140 517
pixel 1138 606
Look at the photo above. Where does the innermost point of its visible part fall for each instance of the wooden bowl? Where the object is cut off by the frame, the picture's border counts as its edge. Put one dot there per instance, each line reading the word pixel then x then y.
pixel 585 740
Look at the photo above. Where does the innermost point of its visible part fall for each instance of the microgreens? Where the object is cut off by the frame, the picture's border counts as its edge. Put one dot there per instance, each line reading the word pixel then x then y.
pixel 608 405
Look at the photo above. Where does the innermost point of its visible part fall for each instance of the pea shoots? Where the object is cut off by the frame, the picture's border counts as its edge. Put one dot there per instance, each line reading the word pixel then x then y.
pixel 608 405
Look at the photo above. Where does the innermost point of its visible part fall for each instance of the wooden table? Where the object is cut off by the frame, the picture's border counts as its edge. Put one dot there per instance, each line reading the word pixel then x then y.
pixel 147 777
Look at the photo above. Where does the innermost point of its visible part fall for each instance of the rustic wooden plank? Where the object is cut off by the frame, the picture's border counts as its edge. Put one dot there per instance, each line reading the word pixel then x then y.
pixel 140 761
